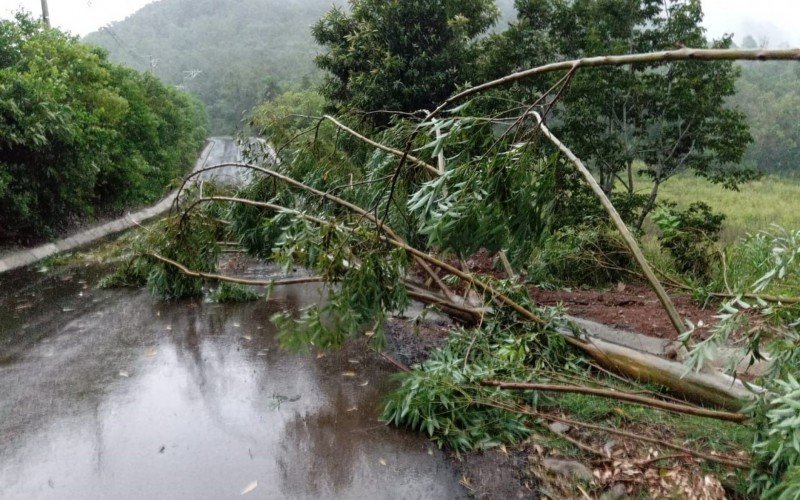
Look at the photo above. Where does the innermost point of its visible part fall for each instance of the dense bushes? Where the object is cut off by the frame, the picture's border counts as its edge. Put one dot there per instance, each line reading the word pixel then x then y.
pixel 689 236
pixel 79 135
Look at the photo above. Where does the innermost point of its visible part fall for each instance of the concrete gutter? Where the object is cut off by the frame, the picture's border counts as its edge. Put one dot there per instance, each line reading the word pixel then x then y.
pixel 30 256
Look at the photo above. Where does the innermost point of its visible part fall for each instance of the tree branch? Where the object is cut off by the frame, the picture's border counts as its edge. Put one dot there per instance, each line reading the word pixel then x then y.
pixel 630 241
pixel 230 279
pixel 685 54
pixel 620 396
pixel 355 208
pixel 413 159
pixel 728 461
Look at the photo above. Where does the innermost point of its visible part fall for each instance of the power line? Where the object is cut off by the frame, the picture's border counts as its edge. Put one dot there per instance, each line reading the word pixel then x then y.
pixel 149 60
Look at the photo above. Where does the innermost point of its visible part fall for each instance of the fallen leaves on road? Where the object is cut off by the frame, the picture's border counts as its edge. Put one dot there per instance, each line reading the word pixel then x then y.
pixel 250 487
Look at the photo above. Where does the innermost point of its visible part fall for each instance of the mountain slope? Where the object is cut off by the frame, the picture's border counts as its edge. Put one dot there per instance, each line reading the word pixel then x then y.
pixel 230 53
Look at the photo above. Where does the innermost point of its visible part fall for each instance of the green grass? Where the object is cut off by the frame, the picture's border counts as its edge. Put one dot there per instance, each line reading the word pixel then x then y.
pixel 758 204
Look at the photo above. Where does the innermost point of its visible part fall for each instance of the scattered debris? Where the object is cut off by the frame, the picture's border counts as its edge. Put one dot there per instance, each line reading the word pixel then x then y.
pixel 250 487
pixel 568 468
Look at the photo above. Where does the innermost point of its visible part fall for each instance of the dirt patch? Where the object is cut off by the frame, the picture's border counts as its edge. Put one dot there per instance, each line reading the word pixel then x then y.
pixel 628 306
pixel 633 307
pixel 411 342
pixel 498 473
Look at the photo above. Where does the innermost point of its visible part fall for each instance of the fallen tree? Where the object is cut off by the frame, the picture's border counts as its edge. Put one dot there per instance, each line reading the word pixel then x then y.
pixel 391 234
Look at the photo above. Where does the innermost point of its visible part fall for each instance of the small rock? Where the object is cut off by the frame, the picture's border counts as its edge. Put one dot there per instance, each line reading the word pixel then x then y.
pixel 568 468
pixel 559 428
pixel 616 492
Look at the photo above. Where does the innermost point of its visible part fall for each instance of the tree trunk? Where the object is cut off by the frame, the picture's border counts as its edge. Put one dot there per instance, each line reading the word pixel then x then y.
pixel 651 202
pixel 630 178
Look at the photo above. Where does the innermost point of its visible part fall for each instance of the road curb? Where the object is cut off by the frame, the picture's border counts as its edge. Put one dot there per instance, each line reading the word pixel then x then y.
pixel 29 256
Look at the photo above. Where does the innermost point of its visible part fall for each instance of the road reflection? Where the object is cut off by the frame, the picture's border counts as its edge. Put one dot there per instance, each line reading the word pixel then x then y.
pixel 110 394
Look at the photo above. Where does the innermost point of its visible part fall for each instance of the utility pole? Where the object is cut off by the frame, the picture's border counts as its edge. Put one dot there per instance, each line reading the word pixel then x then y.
pixel 45 13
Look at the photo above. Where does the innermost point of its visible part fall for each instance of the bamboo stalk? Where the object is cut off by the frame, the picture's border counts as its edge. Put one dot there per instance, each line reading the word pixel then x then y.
pixel 620 396
pixel 630 241
pixel 685 54
pixel 430 168
pixel 230 279
pixel 713 388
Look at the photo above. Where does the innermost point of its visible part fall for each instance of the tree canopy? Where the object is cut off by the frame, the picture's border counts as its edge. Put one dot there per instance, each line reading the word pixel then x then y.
pixel 671 117
pixel 399 55
pixel 79 134
pixel 769 96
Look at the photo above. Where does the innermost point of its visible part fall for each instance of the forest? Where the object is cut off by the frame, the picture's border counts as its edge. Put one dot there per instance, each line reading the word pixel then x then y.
pixel 81 136
pixel 267 47
pixel 474 170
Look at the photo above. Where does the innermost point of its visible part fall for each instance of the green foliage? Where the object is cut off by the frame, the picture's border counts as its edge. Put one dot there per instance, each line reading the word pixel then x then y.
pixel 581 256
pixel 492 202
pixel 369 285
pixel 190 241
pixel 778 446
pixel 233 292
pixel 80 135
pixel 399 56
pixel 244 50
pixel 690 236
pixel 286 115
pixel 769 95
pixel 765 262
pixel 443 398
pixel 672 117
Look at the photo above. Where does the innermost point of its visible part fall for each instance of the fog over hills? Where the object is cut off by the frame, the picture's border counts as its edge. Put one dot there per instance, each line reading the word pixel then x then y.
pixel 228 52
pixel 231 53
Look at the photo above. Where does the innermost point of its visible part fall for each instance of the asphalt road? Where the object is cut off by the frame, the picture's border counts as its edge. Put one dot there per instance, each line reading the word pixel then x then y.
pixel 112 394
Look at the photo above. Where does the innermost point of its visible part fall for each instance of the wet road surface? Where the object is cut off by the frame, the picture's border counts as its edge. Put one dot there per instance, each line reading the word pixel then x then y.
pixel 229 150
pixel 111 394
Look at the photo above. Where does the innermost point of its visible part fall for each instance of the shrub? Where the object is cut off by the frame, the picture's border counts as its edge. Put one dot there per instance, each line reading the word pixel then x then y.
pixel 689 237
pixel 80 135
pixel 591 256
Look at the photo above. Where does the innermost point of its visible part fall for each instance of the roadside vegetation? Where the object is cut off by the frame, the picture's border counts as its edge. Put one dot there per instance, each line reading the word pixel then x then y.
pixel 268 49
pixel 416 169
pixel 757 206
pixel 80 136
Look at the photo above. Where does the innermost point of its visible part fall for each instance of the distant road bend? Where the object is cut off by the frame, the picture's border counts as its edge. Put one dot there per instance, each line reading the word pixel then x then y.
pixel 218 150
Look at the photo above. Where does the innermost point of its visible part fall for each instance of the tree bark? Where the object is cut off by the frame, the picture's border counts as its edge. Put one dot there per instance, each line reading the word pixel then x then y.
pixel 648 207
pixel 630 241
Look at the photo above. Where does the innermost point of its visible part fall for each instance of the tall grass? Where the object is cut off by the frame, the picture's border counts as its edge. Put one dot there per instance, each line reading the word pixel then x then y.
pixel 757 205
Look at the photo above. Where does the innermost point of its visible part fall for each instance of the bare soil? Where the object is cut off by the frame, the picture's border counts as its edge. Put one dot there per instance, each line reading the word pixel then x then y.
pixel 632 307
pixel 628 306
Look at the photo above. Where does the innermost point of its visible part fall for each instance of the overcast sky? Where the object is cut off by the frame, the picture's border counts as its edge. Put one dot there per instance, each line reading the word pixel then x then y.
pixel 779 20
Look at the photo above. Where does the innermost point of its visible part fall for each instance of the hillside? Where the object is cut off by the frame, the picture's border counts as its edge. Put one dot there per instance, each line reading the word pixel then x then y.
pixel 231 53
pixel 228 52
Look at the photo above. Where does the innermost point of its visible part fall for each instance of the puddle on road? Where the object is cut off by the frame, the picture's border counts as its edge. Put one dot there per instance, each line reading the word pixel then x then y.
pixel 110 394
